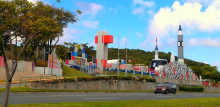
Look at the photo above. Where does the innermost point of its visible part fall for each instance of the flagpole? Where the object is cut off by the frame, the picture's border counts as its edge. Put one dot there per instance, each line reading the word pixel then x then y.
pixel 118 57
pixel 126 50
pixel 118 47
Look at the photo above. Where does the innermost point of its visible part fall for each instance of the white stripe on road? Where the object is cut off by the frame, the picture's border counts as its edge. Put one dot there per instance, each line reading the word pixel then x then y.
pixel 102 98
pixel 139 94
pixel 164 96
pixel 196 95
pixel 68 95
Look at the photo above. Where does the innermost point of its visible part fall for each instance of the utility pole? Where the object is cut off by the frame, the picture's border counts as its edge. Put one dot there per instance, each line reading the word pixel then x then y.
pixel 126 50
pixel 118 56
pixel 118 47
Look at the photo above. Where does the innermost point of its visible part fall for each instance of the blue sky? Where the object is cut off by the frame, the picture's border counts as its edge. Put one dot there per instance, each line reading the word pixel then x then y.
pixel 142 21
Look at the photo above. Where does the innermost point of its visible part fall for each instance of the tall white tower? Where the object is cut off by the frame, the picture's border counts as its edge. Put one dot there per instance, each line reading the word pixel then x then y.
pixel 156 51
pixel 180 45
pixel 102 39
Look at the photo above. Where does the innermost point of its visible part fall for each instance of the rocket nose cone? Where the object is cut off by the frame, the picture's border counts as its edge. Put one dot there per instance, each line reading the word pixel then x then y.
pixel 180 27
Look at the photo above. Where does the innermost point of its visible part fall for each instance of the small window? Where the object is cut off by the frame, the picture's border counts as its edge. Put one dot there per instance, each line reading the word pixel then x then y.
pixel 154 65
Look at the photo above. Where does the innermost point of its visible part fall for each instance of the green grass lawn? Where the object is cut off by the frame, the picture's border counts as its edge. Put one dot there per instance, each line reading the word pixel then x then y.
pixel 195 102
pixel 2 80
pixel 27 89
pixel 70 72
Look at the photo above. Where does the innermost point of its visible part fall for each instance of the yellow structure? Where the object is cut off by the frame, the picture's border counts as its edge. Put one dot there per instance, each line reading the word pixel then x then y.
pixel 60 60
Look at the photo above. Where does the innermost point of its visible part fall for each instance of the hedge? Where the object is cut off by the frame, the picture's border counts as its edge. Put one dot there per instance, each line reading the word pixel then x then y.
pixel 115 78
pixel 100 78
pixel 195 89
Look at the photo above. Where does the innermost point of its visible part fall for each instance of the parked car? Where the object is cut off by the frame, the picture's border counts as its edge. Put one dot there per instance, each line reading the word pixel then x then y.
pixel 165 88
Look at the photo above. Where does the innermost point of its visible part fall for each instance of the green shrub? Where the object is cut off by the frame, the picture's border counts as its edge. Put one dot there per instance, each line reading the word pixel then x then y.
pixel 40 63
pixel 194 89
pixel 114 78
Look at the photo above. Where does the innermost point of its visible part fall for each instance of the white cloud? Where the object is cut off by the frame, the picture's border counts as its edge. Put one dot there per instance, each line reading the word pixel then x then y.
pixel 205 62
pixel 216 64
pixel 139 34
pixel 33 1
pixel 205 41
pixel 138 11
pixel 90 24
pixel 68 35
pixel 91 9
pixel 143 4
pixel 204 2
pixel 171 42
pixel 190 16
pixel 123 41
pixel 116 9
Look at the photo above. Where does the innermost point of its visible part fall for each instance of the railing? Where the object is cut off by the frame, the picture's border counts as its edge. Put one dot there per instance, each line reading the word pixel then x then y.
pixel 57 76
pixel 34 77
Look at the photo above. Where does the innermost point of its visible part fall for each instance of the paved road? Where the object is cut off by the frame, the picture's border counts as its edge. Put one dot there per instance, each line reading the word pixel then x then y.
pixel 12 85
pixel 79 97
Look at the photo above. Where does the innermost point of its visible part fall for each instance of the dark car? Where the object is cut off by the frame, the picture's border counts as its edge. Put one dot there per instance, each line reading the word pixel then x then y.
pixel 165 88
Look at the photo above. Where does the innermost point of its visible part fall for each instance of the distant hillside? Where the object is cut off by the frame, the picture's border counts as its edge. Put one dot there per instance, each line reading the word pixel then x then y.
pixel 144 57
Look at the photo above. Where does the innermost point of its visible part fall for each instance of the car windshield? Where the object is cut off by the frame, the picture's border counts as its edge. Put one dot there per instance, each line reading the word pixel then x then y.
pixel 162 85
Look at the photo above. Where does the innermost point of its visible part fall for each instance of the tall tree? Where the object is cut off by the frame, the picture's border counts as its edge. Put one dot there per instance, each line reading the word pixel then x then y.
pixel 20 18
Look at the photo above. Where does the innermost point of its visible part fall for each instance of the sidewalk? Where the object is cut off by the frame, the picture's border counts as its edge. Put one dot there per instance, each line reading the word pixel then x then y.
pixel 17 83
pixel 12 85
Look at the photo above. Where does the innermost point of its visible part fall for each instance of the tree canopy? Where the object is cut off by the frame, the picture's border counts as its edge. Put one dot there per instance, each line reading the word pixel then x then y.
pixel 35 25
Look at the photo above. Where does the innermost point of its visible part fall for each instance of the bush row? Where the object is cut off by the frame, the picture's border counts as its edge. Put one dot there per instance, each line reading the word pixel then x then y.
pixel 102 78
pixel 195 89
pixel 60 80
pixel 115 78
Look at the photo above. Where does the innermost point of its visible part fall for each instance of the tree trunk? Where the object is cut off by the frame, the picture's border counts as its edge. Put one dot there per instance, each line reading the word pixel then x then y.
pixel 7 90
pixel 10 75
pixel 8 84
pixel 44 57
pixel 37 52
pixel 36 59
pixel 25 54
pixel 50 47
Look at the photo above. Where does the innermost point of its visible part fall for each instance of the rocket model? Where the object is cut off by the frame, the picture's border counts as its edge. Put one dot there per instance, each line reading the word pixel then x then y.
pixel 172 58
pixel 156 51
pixel 180 45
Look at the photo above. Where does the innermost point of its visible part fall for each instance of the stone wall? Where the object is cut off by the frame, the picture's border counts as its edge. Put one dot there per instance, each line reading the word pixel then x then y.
pixel 107 85
pixel 97 85
pixel 178 81
pixel 211 88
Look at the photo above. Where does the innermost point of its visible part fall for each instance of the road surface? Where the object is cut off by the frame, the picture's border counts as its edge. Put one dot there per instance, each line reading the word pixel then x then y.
pixel 79 97
pixel 12 85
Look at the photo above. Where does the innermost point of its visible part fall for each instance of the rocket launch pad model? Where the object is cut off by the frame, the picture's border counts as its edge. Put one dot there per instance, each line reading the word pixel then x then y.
pixel 180 45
